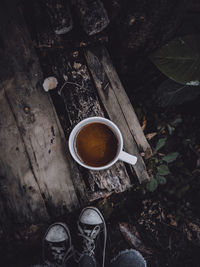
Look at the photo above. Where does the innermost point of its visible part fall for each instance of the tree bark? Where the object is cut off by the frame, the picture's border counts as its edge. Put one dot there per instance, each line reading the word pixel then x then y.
pixel 92 14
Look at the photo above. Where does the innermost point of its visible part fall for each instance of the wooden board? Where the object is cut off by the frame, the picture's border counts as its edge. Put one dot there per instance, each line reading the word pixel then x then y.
pixel 20 195
pixel 118 107
pixel 35 172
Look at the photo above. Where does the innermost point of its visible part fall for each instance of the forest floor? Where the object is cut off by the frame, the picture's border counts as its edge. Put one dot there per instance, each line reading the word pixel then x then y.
pixel 165 213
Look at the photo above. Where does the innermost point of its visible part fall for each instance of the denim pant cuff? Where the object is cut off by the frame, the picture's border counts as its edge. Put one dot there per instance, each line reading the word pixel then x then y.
pixel 87 260
pixel 129 258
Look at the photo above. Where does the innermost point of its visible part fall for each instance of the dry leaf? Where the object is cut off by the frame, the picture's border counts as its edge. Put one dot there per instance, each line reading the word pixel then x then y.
pixel 77 65
pixel 144 123
pixel 172 220
pixel 192 231
pixel 150 136
pixel 82 44
pixel 133 238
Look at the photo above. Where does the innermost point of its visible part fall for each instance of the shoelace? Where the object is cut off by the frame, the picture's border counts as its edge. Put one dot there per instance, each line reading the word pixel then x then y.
pixel 89 238
pixel 78 255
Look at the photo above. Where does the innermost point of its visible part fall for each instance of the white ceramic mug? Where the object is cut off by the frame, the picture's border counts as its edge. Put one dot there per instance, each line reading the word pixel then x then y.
pixel 121 155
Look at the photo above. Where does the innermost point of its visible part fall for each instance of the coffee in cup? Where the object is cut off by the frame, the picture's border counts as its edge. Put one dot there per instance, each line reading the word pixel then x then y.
pixel 96 144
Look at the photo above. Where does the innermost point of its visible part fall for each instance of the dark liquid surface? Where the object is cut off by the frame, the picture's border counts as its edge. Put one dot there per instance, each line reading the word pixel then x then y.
pixel 96 144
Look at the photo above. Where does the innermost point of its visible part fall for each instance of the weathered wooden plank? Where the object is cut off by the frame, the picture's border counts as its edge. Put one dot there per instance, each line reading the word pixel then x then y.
pixel 101 57
pixel 20 193
pixel 81 102
pixel 118 107
pixel 36 161
pixel 92 14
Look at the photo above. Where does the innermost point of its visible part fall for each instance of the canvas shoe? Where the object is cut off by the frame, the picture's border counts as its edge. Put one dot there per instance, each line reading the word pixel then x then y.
pixel 57 245
pixel 92 235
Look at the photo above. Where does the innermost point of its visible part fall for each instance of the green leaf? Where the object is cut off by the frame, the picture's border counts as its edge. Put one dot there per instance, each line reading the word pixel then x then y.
pixel 172 93
pixel 170 129
pixel 152 185
pixel 170 157
pixel 160 144
pixel 161 179
pixel 163 170
pixel 180 59
pixel 177 120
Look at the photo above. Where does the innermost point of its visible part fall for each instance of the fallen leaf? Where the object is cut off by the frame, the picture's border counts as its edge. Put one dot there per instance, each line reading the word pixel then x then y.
pixel 161 179
pixel 152 185
pixel 150 136
pixel 82 44
pixel 163 170
pixel 144 123
pixel 170 157
pixel 173 222
pixel 160 144
pixel 77 65
pixel 131 235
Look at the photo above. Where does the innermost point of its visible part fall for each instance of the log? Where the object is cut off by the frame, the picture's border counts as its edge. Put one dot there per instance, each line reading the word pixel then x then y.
pixel 59 15
pixel 42 16
pixel 51 18
pixel 79 96
pixel 118 107
pixel 92 14
pixel 35 173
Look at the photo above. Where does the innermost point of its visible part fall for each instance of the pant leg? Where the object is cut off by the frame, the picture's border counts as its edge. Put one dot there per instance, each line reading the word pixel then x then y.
pixel 129 258
pixel 87 261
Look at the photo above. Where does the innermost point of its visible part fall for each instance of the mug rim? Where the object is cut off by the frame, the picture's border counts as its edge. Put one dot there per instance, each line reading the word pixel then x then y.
pixel 84 122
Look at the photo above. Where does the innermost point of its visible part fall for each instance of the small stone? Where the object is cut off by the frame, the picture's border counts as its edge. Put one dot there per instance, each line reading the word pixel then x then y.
pixel 50 83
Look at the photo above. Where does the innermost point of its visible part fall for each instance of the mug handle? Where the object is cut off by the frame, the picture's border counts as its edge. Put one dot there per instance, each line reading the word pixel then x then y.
pixel 128 158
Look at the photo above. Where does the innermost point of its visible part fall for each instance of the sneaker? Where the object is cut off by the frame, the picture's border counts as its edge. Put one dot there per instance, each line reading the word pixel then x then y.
pixel 57 245
pixel 92 233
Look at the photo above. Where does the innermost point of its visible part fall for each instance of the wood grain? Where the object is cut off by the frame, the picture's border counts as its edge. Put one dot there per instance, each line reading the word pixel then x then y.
pixel 80 99
pixel 118 107
pixel 35 173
